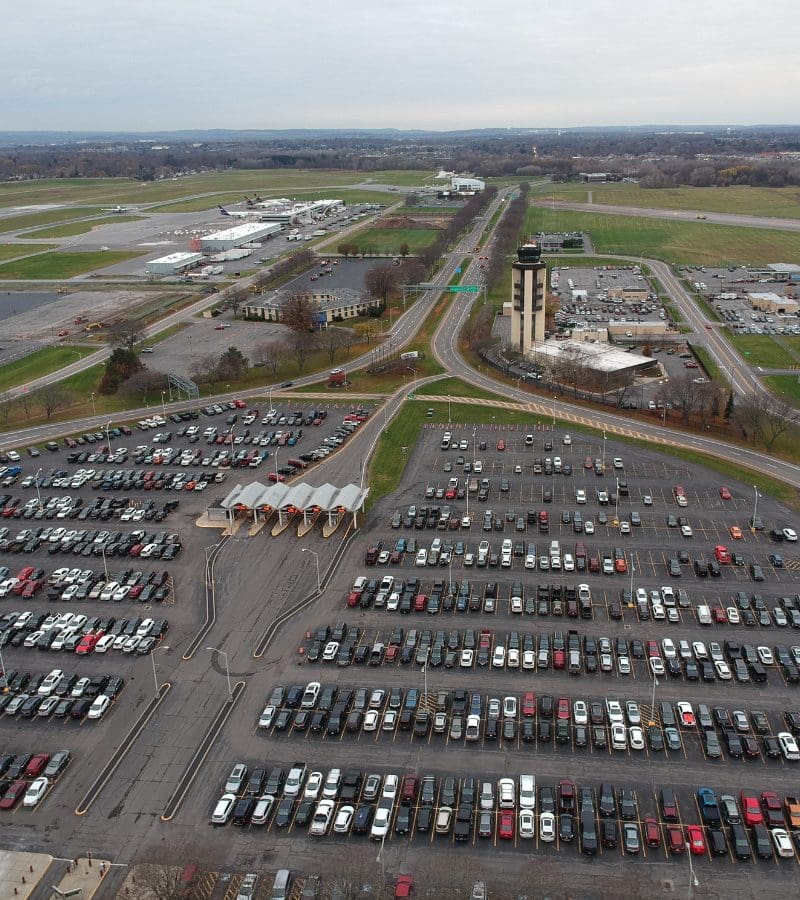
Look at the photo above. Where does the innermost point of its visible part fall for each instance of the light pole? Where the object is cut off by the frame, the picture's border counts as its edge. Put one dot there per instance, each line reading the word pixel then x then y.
pixel 554 411
pixel 414 375
pixel 108 436
pixel 224 656
pixel 316 560
pixel 693 882
pixel 36 482
pixel 105 566
pixel 616 501
pixel 604 451
pixel 153 661
pixel 425 678
pixel 449 410
pixel 163 405
pixel 94 407
pixel 270 398
pixel 3 671
pixel 755 509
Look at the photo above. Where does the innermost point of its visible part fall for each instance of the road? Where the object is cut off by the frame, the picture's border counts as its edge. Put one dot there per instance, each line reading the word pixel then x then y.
pixel 737 220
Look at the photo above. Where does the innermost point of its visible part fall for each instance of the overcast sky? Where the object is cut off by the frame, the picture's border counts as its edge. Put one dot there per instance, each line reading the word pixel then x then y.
pixel 167 64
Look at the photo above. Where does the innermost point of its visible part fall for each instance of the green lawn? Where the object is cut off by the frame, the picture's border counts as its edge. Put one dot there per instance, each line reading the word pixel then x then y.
pixel 71 228
pixel 787 386
pixel 52 266
pixel 388 240
pixel 128 191
pixel 455 387
pixel 46 217
pixel 12 251
pixel 42 362
pixel 767 350
pixel 672 241
pixel 753 201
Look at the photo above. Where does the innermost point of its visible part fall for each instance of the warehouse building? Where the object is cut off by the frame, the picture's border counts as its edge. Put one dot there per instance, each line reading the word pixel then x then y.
pixel 772 303
pixel 174 264
pixel 238 236
pixel 330 306
pixel 464 184
pixel 603 359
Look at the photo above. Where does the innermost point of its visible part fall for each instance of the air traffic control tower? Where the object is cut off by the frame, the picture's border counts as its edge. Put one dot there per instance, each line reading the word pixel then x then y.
pixel 528 281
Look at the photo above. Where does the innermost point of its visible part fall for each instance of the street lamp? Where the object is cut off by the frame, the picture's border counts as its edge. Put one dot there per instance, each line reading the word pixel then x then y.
pixel 316 560
pixel 604 451
pixel 414 374
pixel 108 436
pixel 224 656
pixel 755 509
pixel 449 410
pixel 103 554
pixel 693 882
pixel 153 661
pixel 163 405
pixel 36 482
pixel 554 411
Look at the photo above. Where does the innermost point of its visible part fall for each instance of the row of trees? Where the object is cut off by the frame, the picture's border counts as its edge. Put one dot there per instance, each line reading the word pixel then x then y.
pixel 507 236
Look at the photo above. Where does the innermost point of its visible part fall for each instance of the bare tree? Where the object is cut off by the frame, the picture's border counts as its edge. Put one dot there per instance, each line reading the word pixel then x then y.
pixel 261 280
pixel 382 281
pixel 125 332
pixel 143 383
pixel 270 354
pixel 50 397
pixel 765 419
pixel 332 340
pixel 159 869
pixel 5 407
pixel 300 346
pixel 204 369
pixel 234 297
pixel 298 313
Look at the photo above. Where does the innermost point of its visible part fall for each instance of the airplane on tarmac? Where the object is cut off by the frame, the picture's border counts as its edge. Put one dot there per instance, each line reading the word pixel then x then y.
pixel 118 209
pixel 256 199
pixel 235 214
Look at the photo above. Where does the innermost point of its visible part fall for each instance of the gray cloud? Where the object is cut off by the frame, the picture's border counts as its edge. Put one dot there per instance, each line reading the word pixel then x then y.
pixel 206 63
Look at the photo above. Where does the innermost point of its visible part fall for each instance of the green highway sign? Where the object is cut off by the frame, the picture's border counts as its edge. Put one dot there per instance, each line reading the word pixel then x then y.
pixel 463 288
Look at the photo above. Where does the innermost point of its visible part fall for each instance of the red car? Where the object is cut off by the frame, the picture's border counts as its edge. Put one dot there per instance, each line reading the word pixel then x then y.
pixel 529 704
pixel 773 809
pixel 507 819
pixel 559 659
pixel 697 841
pixel 87 643
pixel 501 444
pixel 719 615
pixel 25 574
pixel 724 493
pixel 566 795
pixel 675 839
pixel 403 886
pixel 353 598
pixel 13 795
pixel 240 404
pixel 36 766
pixel 485 639
pixel 620 566
pixel 420 603
pixel 563 709
pixel 652 833
pixel 391 653
pixel 751 809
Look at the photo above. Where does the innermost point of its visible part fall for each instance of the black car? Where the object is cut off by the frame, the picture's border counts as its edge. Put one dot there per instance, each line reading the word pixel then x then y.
pixel 283 817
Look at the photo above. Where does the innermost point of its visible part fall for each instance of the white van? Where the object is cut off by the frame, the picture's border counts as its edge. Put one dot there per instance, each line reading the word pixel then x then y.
pixel 422 557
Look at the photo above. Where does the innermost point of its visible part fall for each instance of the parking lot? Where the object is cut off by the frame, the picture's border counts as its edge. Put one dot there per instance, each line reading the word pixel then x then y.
pixel 459 672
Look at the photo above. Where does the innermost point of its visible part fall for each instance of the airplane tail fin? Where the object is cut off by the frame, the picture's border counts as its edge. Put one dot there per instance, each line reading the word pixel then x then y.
pixel 224 211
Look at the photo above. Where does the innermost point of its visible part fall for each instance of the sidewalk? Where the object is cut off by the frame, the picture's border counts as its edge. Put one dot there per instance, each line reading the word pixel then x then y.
pixel 85 878
pixel 21 872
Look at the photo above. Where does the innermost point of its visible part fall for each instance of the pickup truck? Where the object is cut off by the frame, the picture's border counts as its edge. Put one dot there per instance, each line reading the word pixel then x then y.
pixel 792 811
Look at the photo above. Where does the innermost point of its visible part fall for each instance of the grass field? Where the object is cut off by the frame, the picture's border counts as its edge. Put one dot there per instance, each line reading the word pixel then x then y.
pixel 388 240
pixel 52 266
pixel 12 251
pixel 42 362
pixel 455 387
pixel 126 190
pixel 766 350
pixel 45 217
pixel 778 202
pixel 787 386
pixel 72 228
pixel 671 241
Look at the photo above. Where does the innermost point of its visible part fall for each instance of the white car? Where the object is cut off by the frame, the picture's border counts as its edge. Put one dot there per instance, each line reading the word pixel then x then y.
pixel 99 706
pixel 331 651
pixel 580 712
pixel 618 462
pixel 48 685
pixel 789 534
pixel 723 670
pixel 499 657
pixel 343 820
pixel 647 500
pixel 686 531
pixel 223 809
pixel 580 496
pixel 266 718
pixel 467 657
pixel 262 809
pixel 732 614
pixel 322 817
pixel 37 789
pixel 547 827
pixel 330 789
pixel 780 837
pixel 380 823
pixel 528 659
pixel 313 785
pixel 765 655
pixel 623 665
pixel 588 527
pixel 619 737
pixel 370 720
pixel 657 665
pixel 527 823
pixel 789 746
pixel 389 722
pixel 390 785
pixel 105 643
pixel 636 737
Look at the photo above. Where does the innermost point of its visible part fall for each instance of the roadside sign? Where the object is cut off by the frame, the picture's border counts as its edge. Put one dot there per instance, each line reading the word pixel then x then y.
pixel 464 288
pixel 458 270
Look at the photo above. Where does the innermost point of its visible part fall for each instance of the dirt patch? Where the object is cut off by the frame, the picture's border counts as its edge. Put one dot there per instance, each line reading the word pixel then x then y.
pixel 411 222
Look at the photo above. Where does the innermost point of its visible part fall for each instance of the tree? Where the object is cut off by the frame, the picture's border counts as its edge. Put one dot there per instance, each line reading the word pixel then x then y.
pixel 298 313
pixel 332 340
pixel 125 332
pixel 261 280
pixel 144 382
pixel 119 367
pixel 729 407
pixel 382 281
pixel 232 364
pixel 5 407
pixel 159 868
pixel 270 354
pixel 50 397
pixel 411 200
pixel 301 344
pixel 234 297
pixel 766 418
pixel 204 370
pixel 404 249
